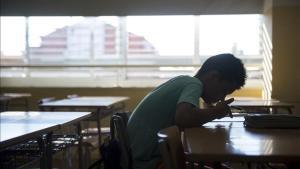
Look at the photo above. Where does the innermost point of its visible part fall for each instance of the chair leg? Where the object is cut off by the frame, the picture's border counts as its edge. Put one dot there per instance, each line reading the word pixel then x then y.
pixel 69 157
pixel 87 156
pixel 96 164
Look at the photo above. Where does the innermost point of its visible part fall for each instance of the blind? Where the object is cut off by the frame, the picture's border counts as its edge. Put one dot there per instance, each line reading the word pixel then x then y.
pixel 128 7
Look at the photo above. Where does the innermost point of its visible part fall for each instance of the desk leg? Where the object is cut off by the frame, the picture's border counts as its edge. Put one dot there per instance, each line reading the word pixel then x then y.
pixel 290 110
pixel 2 106
pixel 6 106
pixel 69 157
pixel 41 108
pixel 42 153
pixel 79 146
pixel 49 150
pixel 26 104
pixel 99 129
pixel 275 110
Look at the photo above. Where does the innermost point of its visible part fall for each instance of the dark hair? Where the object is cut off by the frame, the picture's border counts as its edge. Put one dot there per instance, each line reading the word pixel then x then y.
pixel 230 68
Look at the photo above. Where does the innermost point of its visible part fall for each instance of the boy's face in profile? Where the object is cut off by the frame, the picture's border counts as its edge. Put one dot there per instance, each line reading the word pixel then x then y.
pixel 217 89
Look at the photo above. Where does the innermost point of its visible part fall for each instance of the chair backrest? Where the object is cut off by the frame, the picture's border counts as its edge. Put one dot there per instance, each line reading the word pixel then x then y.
pixel 71 96
pixel 45 100
pixel 171 148
pixel 119 132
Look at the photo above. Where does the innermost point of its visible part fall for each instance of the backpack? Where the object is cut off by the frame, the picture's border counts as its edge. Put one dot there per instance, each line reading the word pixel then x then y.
pixel 111 150
pixel 111 154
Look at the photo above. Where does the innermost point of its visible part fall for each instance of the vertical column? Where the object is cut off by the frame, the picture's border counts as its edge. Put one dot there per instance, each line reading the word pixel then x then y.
pixel 196 59
pixel 123 49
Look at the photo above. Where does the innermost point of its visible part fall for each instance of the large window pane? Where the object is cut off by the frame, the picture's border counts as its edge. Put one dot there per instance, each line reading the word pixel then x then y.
pixel 160 39
pixel 73 39
pixel 13 40
pixel 237 34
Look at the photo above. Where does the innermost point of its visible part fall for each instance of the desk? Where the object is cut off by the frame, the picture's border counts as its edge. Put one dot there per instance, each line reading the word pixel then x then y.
pixel 226 122
pixel 85 102
pixel 103 106
pixel 267 104
pixel 230 141
pixel 17 95
pixel 17 127
pixel 5 98
pixel 229 119
pixel 250 98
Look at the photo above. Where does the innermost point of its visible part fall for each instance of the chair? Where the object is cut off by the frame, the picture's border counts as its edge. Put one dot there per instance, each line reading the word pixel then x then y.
pixel 4 101
pixel 118 129
pixel 173 155
pixel 45 100
pixel 94 131
pixel 90 131
pixel 71 96
pixel 105 130
pixel 171 148
pixel 119 122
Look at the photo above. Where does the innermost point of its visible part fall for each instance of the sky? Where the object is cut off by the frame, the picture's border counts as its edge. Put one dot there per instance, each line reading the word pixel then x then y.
pixel 170 35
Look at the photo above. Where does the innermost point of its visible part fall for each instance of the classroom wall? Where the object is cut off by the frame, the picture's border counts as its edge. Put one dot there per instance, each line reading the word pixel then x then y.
pixel 267 48
pixel 286 52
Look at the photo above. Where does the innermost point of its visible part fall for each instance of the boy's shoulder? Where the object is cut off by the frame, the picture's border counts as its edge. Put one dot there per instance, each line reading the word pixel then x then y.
pixel 183 77
pixel 187 79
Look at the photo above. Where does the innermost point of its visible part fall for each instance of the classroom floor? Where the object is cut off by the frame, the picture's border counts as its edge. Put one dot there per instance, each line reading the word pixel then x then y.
pixel 61 162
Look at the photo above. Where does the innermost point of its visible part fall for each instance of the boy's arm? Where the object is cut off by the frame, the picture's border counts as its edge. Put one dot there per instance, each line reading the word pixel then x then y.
pixel 187 115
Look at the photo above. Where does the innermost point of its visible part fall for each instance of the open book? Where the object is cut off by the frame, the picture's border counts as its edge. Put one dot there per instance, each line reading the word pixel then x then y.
pixel 272 121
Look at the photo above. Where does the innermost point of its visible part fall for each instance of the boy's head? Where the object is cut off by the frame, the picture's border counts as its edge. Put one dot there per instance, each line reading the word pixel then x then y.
pixel 221 75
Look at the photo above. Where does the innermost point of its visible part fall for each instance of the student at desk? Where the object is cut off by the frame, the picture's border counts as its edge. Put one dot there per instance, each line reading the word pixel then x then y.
pixel 176 102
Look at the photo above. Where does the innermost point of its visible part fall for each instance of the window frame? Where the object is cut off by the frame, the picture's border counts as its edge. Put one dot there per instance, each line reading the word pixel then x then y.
pixel 121 80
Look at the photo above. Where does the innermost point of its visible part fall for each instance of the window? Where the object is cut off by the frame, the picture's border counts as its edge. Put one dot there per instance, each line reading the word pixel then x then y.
pixel 72 40
pixel 122 51
pixel 12 40
pixel 237 34
pixel 163 37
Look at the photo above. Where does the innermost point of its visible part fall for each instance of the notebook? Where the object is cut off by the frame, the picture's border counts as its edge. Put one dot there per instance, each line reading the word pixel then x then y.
pixel 272 121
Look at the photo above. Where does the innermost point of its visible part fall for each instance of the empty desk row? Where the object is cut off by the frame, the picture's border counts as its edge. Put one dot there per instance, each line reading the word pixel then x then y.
pixel 19 127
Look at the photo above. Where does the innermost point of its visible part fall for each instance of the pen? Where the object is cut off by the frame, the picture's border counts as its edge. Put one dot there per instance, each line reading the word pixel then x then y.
pixel 236 107
pixel 230 114
pixel 228 102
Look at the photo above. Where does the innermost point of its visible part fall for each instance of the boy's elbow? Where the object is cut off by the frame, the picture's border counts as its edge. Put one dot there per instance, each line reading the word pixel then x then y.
pixel 182 120
pixel 179 121
pixel 182 117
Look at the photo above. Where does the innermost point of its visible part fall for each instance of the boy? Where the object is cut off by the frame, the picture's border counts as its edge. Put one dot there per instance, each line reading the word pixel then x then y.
pixel 176 102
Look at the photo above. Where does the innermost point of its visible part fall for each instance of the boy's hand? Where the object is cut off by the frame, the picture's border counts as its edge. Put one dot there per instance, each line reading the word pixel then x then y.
pixel 223 109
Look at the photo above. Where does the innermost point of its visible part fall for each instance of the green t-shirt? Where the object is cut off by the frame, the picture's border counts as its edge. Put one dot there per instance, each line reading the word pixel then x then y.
pixel 155 112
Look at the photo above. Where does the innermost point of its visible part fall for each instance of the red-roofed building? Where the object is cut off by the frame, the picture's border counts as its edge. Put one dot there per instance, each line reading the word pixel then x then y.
pixel 87 40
